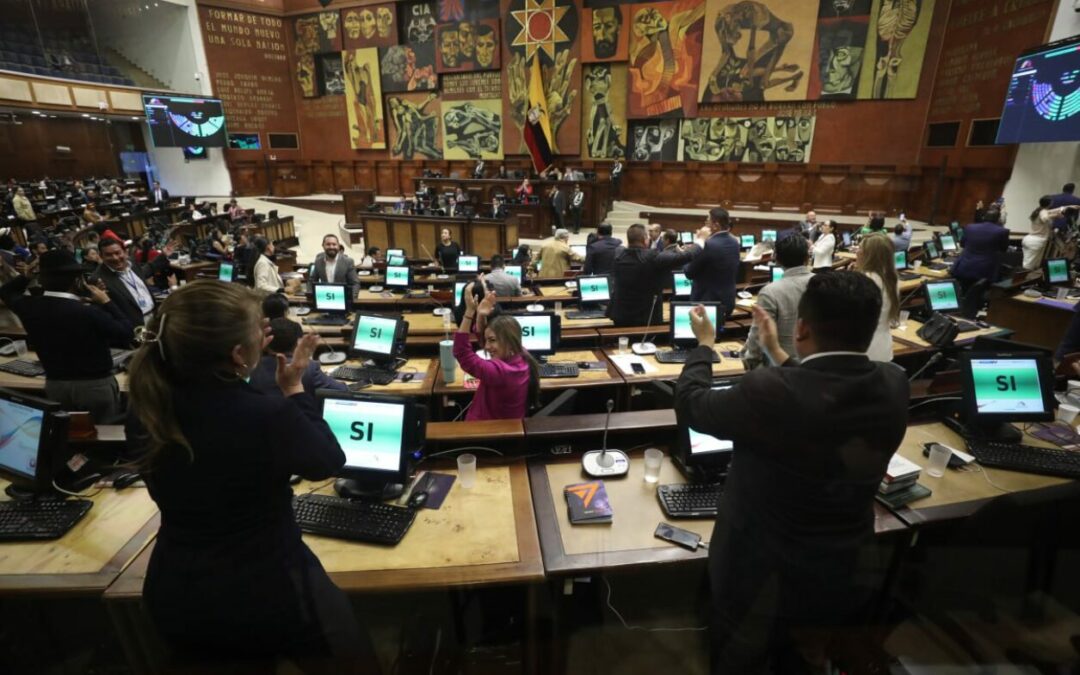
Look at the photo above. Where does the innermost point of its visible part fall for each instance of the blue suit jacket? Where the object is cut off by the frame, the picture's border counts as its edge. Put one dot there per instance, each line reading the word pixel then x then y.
pixel 715 270
pixel 984 244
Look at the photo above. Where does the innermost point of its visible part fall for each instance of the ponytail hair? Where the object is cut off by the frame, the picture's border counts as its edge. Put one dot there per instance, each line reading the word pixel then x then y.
pixel 190 340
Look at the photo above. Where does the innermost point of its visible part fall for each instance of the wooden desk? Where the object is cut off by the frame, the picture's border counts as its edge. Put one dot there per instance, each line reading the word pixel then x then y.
pixel 1035 321
pixel 19 382
pixel 958 494
pixel 586 378
pixel 190 271
pixel 908 334
pixel 727 367
pixel 89 557
pixel 10 325
pixel 628 540
pixel 479 236
pixel 572 324
pixel 420 387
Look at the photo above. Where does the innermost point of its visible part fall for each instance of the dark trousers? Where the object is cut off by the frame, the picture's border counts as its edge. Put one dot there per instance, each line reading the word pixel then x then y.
pixel 769 608
pixel 575 219
pixel 227 604
pixel 100 397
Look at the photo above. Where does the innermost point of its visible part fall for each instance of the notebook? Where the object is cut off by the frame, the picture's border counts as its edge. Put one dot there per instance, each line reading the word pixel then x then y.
pixel 588 503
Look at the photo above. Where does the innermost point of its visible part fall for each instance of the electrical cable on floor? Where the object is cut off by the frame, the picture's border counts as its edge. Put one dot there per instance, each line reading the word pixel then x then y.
pixel 642 628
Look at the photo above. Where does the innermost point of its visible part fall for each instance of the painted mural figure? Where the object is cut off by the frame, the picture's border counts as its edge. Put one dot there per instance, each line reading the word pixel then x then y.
pixel 606 24
pixel 896 19
pixel 603 133
pixel 416 129
pixel 747 78
pixel 364 104
pixel 472 129
pixel 655 59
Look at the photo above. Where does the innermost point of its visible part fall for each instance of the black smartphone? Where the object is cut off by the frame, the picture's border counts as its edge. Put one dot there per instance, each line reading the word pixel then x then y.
pixel 637 368
pixel 677 535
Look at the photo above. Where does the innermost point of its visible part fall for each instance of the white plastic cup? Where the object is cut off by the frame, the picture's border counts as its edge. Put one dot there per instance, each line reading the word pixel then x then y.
pixel 624 345
pixel 447 361
pixel 1067 413
pixel 466 468
pixel 916 265
pixel 939 460
pixel 20 348
pixel 654 458
pixel 558 305
pixel 904 314
pixel 1062 293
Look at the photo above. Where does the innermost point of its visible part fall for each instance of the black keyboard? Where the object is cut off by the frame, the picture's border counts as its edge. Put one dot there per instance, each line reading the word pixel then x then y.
pixel 372 522
pixel 909 276
pixel 966 326
pixel 1027 458
pixel 586 314
pixel 23 367
pixel 690 500
pixel 679 356
pixel 40 518
pixel 327 320
pixel 356 374
pixel 937 267
pixel 559 370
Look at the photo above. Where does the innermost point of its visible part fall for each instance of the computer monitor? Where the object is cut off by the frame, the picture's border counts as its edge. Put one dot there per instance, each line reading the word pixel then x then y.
pixel 331 298
pixel 768 235
pixel 846 238
pixel 746 241
pixel 540 332
pixel 514 271
pixel 468 263
pixel 395 251
pixel 395 260
pixel 956 230
pixel 699 456
pixel 459 288
pixel 681 333
pixel 378 435
pixel 1056 271
pixel 686 237
pixel 33 436
pixel 930 248
pixel 681 285
pixel 594 290
pixel 378 337
pixel 1004 387
pixel 947 242
pixel 942 296
pixel 398 276
pixel 900 260
pixel 776 273
pixel 580 249
pixel 225 271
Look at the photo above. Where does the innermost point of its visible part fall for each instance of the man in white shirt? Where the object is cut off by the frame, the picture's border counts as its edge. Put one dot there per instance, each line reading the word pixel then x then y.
pixel 333 267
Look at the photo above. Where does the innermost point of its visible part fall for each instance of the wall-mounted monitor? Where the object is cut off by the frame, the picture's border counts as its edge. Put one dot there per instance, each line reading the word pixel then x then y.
pixel 184 121
pixel 1042 103
pixel 244 142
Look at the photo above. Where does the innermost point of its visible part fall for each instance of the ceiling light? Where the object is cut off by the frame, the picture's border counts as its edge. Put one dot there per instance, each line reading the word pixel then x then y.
pixel 86 114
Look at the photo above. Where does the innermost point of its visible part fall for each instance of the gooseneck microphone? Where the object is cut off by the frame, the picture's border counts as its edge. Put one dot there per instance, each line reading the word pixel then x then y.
pixel 604 463
pixel 644 348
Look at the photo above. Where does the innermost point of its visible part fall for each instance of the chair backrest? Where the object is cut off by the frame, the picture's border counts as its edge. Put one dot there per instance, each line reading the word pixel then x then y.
pixel 973 300
pixel 561 404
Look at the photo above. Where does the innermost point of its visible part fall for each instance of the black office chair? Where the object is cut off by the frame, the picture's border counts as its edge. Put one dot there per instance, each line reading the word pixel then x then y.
pixel 974 299
pixel 563 404
pixel 272 215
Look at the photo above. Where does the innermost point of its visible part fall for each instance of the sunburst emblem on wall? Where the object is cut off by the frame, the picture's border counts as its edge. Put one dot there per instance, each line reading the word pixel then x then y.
pixel 538 27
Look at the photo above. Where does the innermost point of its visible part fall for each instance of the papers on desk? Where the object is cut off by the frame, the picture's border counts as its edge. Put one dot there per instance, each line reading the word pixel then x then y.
pixel 625 363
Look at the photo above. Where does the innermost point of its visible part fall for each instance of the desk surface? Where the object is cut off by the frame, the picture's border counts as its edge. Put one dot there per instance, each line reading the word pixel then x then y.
pixel 909 334
pixel 726 367
pixel 89 557
pixel 628 540
pixel 420 385
pixel 586 378
pixel 484 535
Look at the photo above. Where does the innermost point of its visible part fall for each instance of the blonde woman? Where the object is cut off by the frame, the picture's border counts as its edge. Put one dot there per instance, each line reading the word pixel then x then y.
pixel 875 260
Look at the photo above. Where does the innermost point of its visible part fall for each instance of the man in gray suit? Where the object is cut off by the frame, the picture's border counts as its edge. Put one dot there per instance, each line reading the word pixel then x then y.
pixel 780 299
pixel 333 267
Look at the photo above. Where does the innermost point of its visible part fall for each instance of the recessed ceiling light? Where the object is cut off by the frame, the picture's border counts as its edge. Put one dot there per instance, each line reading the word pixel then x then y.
pixel 134 118
pixel 86 114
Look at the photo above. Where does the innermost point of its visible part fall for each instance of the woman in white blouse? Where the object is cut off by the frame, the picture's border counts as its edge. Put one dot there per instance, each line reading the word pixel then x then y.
pixel 1042 220
pixel 266 274
pixel 825 245
pixel 875 260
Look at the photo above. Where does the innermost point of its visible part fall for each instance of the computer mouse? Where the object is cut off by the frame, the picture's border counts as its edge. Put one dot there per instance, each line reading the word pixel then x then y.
pixel 418 499
pixel 125 479
pixel 407 377
pixel 295 479
pixel 303 311
pixel 357 386
pixel 584 365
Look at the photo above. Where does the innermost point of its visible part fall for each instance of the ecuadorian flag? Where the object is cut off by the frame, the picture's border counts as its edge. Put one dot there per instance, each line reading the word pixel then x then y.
pixel 537 130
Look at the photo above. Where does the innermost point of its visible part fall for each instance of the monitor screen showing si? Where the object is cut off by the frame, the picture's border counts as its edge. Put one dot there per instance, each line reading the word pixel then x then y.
pixel 370 433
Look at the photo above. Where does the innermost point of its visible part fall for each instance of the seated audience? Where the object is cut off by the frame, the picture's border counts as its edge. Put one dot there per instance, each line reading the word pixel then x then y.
pixel 285 334
pixel 792 552
pixel 780 299
pixel 229 578
pixel 368 261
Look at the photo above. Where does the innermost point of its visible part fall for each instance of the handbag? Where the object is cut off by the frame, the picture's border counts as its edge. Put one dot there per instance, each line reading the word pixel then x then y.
pixel 939 331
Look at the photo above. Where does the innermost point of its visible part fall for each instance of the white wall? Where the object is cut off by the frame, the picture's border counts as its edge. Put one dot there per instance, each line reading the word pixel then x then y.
pixel 1042 168
pixel 166 41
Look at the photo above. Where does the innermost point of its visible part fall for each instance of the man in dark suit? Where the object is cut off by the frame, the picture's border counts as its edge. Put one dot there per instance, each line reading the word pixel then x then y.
pixel 159 196
pixel 715 271
pixel 558 207
pixel 334 267
pixel 600 254
pixel 639 276
pixel 984 245
pixel 125 280
pixel 792 547
pixel 1066 197
pixel 577 205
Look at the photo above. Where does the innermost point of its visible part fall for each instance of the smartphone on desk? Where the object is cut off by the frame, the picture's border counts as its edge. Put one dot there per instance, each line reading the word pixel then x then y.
pixel 637 368
pixel 677 535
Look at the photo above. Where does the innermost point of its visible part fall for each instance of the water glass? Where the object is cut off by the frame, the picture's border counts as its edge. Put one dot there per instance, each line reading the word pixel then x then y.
pixel 939 460
pixel 466 467
pixel 654 458
pixel 624 345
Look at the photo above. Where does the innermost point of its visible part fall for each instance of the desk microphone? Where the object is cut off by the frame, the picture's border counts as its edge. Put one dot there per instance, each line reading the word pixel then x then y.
pixel 644 348
pixel 605 463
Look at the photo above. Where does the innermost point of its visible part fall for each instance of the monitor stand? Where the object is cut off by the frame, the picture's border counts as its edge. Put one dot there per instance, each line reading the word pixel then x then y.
pixel 995 432
pixel 699 474
pixel 350 488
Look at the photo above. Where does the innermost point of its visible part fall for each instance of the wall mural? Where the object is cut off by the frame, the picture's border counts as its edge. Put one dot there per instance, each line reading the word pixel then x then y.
pixel 654 140
pixel 610 34
pixel 363 95
pixel 838 52
pixel 895 47
pixel 747 139
pixel 415 126
pixel 413 63
pixel 604 111
pixel 464 46
pixel 547 30
pixel 472 129
pixel 370 26
pixel 665 58
pixel 314 34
